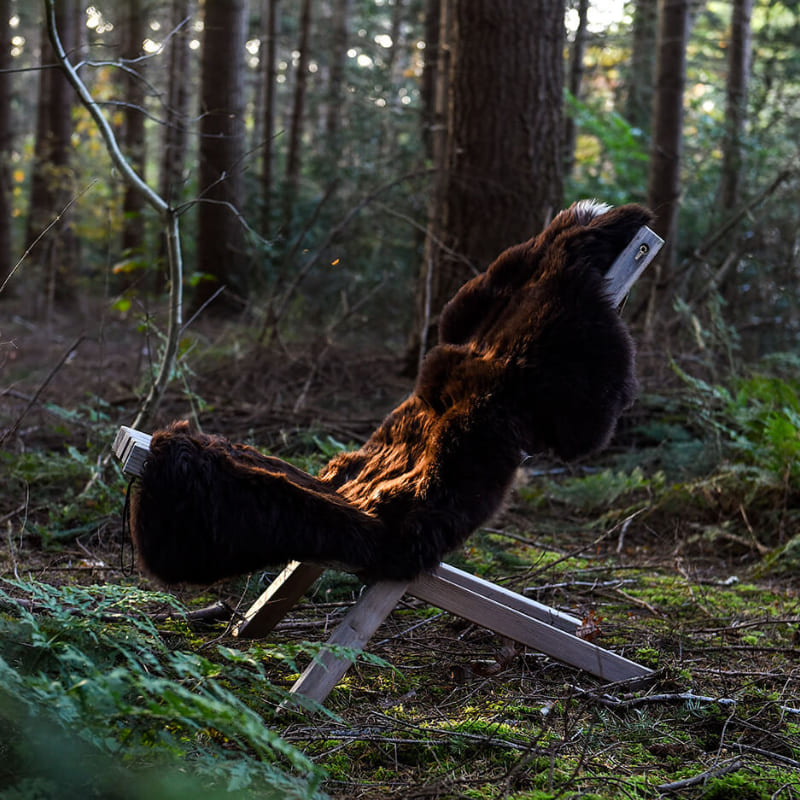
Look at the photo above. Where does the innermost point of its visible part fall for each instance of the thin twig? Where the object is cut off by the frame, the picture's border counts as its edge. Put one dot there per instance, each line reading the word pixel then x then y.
pixel 56 412
pixel 578 550
pixel 638 601
pixel 426 313
pixel 768 754
pixel 320 354
pixel 455 254
pixel 203 307
pixel 672 697
pixel 548 587
pixel 123 63
pixel 302 273
pixel 41 236
pixel 11 514
pixel 60 363
pixel 216 612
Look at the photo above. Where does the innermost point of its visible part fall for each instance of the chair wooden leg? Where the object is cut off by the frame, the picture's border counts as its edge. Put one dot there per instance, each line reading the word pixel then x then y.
pixel 273 605
pixel 354 631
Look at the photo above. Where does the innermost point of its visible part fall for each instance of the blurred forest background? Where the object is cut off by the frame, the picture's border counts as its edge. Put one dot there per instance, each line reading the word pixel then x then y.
pixel 335 169
pixel 347 159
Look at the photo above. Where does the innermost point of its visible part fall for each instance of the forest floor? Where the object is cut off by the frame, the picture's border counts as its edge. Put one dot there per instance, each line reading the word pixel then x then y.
pixel 685 584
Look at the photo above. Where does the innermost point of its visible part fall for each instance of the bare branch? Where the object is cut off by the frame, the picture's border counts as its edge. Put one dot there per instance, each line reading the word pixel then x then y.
pixel 167 214
pixel 93 108
pixel 60 363
pixel 39 238
pixel 279 306
pixel 716 772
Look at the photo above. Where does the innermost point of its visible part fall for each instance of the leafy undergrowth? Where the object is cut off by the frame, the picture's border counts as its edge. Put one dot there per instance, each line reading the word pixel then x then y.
pixel 680 549
pixel 96 700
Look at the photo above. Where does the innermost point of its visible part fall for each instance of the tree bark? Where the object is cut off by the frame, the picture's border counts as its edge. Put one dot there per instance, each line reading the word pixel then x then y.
pixel 296 126
pixel 500 165
pixel 175 134
pixel 338 57
pixel 175 138
pixel 220 239
pixel 6 146
pixel 641 72
pixel 664 184
pixel 51 180
pixel 439 22
pixel 389 128
pixel 576 71
pixel 430 75
pixel 133 139
pixel 272 15
pixel 735 103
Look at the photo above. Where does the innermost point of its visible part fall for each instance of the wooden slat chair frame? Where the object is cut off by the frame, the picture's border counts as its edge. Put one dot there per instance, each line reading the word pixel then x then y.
pixel 505 612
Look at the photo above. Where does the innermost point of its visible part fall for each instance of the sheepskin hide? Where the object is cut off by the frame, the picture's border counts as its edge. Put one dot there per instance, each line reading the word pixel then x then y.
pixel 532 356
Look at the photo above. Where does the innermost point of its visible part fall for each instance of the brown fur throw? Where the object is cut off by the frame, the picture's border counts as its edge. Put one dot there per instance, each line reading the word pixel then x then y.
pixel 532 357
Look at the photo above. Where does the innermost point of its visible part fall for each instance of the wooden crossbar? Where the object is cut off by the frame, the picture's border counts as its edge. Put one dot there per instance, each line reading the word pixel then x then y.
pixel 131 447
pixel 508 613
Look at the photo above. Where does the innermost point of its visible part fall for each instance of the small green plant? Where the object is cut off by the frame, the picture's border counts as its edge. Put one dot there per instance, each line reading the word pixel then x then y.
pixel 738 786
pixel 70 488
pixel 756 419
pixel 593 491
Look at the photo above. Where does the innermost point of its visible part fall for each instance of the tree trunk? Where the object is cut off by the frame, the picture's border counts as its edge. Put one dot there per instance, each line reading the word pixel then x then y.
pixel 133 140
pixel 175 138
pixel 500 166
pixel 664 185
pixel 296 125
pixel 430 75
pixel 338 56
pixel 175 134
pixel 436 100
pixel 576 70
pixel 736 103
pixel 389 128
pixel 271 16
pixel 641 75
pixel 220 239
pixel 51 179
pixel 6 146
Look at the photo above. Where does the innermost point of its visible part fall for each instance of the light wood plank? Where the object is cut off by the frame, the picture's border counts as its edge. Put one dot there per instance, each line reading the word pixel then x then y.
pixel 131 447
pixel 355 630
pixel 532 632
pixel 274 603
pixel 525 605
pixel 631 263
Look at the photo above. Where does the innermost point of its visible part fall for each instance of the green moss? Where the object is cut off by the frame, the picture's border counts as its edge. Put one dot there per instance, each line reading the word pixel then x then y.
pixel 736 786
pixel 647 657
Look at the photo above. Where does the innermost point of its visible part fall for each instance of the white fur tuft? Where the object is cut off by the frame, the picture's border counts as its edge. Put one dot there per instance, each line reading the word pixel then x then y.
pixel 587 210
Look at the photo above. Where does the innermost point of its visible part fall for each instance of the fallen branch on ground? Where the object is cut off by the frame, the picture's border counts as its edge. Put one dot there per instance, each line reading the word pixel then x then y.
pixel 717 772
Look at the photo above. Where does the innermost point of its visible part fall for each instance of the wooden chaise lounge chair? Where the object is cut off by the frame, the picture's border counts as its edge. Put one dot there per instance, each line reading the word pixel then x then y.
pixel 491 606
